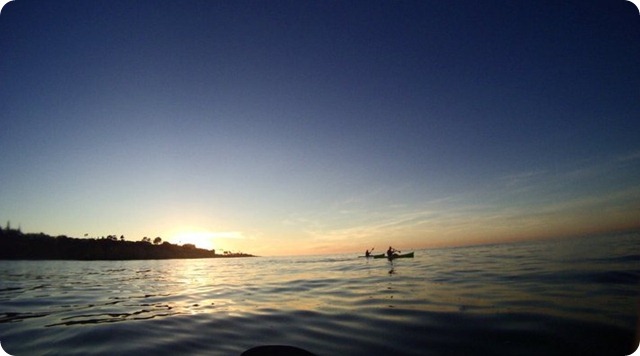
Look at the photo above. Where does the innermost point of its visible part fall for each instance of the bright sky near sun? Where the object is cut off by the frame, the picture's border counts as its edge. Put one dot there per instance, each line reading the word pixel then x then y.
pixel 308 127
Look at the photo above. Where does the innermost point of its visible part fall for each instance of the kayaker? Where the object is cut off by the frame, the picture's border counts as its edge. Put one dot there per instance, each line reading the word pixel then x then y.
pixel 368 253
pixel 391 252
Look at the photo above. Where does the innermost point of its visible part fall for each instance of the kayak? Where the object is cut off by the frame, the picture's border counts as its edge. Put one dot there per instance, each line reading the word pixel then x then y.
pixel 393 257
pixel 374 256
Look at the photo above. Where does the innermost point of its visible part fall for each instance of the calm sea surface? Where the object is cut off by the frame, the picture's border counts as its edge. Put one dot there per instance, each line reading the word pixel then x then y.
pixel 569 297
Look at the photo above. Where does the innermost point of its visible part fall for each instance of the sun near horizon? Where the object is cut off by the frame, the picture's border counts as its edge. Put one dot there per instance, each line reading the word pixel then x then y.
pixel 234 242
pixel 201 238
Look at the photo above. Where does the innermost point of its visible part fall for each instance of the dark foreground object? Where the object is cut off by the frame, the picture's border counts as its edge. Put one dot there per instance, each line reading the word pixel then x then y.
pixel 276 350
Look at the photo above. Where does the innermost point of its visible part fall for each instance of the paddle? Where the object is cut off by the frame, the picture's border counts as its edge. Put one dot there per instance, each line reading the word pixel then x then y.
pixel 370 253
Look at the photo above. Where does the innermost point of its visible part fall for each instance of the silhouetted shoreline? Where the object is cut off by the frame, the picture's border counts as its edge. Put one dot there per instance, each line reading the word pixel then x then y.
pixel 15 245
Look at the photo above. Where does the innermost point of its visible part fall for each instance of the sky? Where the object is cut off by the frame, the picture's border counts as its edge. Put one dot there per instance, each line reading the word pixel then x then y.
pixel 312 127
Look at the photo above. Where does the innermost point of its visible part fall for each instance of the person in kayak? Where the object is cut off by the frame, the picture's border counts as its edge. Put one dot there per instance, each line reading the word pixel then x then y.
pixel 391 252
pixel 368 253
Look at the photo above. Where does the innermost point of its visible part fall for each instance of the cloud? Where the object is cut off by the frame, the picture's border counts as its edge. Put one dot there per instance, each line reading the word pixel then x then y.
pixel 581 197
pixel 369 223
pixel 518 179
pixel 550 206
pixel 629 157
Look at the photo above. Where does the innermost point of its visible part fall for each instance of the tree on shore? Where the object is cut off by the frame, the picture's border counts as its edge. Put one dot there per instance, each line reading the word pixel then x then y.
pixel 8 228
pixel 157 240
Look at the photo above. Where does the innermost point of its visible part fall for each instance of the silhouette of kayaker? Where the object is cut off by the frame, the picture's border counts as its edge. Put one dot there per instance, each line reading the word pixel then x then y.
pixel 368 253
pixel 391 252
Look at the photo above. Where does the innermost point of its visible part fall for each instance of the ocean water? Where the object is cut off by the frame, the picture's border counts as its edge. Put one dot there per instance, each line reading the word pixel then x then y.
pixel 563 297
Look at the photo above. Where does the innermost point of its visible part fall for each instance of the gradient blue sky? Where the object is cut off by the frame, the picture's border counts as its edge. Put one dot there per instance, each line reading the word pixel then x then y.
pixel 301 127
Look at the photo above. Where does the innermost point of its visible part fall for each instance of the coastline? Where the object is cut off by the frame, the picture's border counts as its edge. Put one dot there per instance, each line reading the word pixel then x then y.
pixel 15 245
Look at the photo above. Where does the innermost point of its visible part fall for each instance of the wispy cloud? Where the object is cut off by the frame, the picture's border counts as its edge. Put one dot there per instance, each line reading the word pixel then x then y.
pixel 528 204
pixel 375 221
pixel 629 157
pixel 522 178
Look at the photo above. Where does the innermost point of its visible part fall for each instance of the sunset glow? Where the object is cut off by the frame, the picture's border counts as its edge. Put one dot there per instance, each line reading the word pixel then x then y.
pixel 319 127
pixel 204 240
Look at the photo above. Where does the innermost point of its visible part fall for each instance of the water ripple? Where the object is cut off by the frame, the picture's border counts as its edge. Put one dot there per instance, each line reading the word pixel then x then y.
pixel 530 298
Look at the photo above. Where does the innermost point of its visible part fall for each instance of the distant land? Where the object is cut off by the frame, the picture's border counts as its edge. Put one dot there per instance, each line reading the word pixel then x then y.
pixel 15 245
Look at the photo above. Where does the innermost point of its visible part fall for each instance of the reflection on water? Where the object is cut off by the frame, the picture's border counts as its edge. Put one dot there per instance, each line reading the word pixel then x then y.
pixel 499 298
